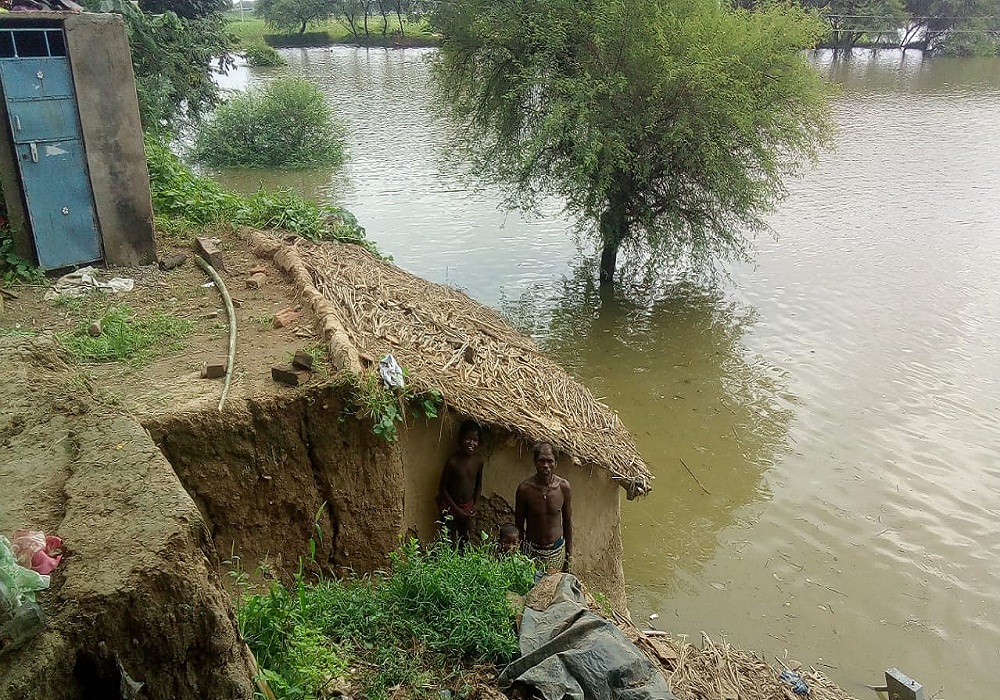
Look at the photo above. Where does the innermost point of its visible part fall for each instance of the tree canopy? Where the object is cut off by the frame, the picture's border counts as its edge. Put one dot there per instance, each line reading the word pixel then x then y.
pixel 666 127
pixel 172 58
pixel 294 15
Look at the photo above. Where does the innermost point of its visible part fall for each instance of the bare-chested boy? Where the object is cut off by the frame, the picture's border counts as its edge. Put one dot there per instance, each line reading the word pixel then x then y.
pixel 462 483
pixel 543 513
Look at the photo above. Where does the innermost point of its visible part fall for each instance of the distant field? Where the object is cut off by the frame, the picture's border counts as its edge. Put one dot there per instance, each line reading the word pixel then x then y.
pixel 251 30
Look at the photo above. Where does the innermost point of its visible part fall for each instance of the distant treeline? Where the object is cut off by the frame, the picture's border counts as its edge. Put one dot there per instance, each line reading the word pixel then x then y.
pixel 942 27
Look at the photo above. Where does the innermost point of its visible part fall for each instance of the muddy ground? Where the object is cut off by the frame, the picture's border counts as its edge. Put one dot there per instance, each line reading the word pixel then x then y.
pixel 140 594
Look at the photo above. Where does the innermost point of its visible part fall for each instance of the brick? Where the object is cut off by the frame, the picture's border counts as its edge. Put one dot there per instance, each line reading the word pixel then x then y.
pixel 289 376
pixel 209 249
pixel 303 360
pixel 285 317
pixel 256 280
pixel 213 370
pixel 257 268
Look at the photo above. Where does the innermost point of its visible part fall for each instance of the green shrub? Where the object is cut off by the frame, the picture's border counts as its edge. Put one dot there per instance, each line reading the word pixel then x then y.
pixel 14 268
pixel 436 609
pixel 971 38
pixel 263 56
pixel 286 124
pixel 385 407
pixel 186 201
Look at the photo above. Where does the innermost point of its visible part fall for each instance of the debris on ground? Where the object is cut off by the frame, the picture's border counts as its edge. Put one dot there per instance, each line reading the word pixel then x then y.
pixel 83 281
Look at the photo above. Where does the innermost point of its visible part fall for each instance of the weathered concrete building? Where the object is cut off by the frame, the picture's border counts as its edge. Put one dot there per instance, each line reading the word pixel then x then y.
pixel 72 162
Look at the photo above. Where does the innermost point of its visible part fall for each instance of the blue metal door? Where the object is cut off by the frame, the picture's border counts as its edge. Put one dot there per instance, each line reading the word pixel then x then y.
pixel 48 145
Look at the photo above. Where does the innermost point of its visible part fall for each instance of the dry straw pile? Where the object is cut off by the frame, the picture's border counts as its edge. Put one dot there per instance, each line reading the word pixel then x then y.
pixel 482 366
pixel 719 671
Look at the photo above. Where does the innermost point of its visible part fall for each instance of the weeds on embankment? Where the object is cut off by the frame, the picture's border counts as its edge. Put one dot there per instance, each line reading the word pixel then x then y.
pixel 185 203
pixel 407 632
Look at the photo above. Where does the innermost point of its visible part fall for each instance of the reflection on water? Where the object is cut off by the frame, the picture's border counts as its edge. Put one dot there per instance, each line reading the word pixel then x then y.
pixel 839 399
pixel 671 360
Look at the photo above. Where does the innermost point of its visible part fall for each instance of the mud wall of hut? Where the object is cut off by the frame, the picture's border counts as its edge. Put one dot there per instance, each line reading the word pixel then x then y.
pixel 269 474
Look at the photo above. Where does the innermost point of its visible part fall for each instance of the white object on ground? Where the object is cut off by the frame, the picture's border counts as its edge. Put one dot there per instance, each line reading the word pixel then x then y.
pixel 84 281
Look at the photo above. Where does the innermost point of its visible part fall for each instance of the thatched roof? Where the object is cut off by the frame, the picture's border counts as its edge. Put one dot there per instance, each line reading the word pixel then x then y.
pixel 482 366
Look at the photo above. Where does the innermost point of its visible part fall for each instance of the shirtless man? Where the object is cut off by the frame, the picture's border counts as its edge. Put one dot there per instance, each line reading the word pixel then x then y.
pixel 462 483
pixel 543 513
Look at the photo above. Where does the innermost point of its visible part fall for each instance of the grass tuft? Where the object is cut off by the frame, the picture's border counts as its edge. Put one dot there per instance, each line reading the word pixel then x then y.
pixel 126 337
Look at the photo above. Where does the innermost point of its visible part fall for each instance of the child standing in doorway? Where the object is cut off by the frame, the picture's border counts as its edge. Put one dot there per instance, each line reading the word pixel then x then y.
pixel 462 483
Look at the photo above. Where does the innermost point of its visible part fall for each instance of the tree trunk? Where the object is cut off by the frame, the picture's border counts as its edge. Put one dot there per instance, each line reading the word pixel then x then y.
pixel 399 18
pixel 612 227
pixel 302 29
pixel 609 261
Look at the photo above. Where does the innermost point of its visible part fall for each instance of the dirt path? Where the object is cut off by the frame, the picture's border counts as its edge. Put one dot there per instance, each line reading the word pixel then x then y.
pixel 172 382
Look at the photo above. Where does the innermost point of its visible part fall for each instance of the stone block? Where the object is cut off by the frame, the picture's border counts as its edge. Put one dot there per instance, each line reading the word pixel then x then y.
pixel 256 280
pixel 208 248
pixel 289 376
pixel 213 370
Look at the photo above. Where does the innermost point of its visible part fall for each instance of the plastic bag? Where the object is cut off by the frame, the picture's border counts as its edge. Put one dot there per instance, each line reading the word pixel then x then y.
pixel 391 372
pixel 36 551
pixel 21 583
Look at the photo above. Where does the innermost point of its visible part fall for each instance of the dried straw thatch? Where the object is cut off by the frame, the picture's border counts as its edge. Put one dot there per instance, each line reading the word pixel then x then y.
pixel 719 671
pixel 482 366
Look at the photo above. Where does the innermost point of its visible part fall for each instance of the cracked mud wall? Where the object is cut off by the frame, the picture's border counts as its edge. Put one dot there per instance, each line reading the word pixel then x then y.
pixel 267 471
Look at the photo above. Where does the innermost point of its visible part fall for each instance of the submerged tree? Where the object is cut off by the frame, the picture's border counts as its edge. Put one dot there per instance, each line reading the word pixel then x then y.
pixel 666 127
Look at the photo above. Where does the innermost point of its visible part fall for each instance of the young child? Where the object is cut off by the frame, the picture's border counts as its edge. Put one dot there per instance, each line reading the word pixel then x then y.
pixel 510 539
pixel 462 483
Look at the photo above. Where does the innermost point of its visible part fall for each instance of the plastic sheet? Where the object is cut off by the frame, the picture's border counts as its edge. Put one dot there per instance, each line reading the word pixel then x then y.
pixel 570 653
pixel 21 583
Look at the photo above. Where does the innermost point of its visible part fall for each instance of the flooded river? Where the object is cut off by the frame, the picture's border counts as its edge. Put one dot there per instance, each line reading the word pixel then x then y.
pixel 838 401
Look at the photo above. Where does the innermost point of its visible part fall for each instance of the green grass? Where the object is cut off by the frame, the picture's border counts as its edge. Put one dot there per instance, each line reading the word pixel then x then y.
pixel 251 30
pixel 404 633
pixel 126 337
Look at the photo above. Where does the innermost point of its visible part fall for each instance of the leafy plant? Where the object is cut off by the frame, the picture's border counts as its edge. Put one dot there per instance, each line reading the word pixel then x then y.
pixel 435 612
pixel 189 201
pixel 286 124
pixel 126 337
pixel 385 407
pixel 173 57
pixel 263 56
pixel 14 268
pixel 293 15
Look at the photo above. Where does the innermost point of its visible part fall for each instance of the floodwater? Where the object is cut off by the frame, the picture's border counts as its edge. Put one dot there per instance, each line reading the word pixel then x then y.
pixel 823 424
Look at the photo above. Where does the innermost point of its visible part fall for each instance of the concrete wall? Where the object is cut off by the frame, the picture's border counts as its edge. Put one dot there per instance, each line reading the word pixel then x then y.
pixel 596 506
pixel 112 134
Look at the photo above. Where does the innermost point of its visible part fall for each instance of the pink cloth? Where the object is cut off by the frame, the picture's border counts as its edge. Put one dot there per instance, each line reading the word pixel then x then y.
pixel 35 551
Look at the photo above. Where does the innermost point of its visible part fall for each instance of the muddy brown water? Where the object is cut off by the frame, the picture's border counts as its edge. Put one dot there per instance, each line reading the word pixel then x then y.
pixel 838 400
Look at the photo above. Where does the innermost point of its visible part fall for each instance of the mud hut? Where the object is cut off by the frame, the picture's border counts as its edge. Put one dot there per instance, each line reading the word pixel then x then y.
pixel 485 370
